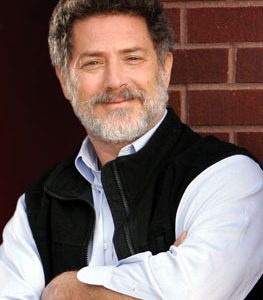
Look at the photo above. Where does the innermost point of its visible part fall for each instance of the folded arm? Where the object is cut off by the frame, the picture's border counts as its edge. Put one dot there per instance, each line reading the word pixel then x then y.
pixel 66 286
pixel 221 211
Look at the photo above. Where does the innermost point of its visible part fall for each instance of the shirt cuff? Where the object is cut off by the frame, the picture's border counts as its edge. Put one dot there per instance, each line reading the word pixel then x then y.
pixel 129 277
pixel 97 275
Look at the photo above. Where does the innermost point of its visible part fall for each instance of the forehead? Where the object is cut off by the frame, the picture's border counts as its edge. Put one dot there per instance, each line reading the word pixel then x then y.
pixel 105 32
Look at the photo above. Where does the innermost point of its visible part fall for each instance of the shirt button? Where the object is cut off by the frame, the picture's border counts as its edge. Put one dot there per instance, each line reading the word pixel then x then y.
pixel 105 246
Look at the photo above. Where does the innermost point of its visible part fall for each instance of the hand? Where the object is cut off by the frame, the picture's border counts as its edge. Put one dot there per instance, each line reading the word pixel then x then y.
pixel 180 239
pixel 66 286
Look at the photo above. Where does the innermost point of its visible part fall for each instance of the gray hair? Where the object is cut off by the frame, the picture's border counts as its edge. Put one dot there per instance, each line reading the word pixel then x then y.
pixel 68 11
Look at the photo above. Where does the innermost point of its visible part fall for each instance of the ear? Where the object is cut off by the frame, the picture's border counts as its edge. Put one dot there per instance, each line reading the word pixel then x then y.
pixel 167 67
pixel 62 83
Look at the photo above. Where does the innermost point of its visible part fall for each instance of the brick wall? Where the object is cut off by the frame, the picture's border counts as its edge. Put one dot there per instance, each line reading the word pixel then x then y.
pixel 217 80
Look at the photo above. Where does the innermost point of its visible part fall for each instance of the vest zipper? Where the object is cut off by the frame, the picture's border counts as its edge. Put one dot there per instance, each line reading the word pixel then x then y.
pixel 88 243
pixel 125 206
pixel 89 248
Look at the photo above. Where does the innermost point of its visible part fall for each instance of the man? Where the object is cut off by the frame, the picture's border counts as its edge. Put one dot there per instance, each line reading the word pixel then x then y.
pixel 102 224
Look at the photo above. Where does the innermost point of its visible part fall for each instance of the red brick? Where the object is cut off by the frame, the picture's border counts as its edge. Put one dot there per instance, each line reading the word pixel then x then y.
pixel 175 101
pixel 249 65
pixel 253 141
pixel 200 66
pixel 223 136
pixel 216 25
pixel 242 107
pixel 174 18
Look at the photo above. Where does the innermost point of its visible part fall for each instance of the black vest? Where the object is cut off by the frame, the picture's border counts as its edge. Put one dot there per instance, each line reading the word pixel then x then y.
pixel 143 191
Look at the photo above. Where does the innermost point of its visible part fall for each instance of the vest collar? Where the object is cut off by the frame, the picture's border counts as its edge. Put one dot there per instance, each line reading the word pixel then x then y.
pixel 66 183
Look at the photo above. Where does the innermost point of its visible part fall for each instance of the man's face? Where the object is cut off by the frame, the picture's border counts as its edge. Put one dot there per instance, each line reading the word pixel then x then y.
pixel 118 89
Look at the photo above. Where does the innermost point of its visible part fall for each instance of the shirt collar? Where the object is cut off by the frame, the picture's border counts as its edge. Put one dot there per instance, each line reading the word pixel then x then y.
pixel 86 161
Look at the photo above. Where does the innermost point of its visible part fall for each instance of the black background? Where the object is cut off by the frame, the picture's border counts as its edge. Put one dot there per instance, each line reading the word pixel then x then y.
pixel 37 126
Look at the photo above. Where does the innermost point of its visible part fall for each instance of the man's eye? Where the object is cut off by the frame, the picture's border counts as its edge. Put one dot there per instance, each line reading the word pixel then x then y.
pixel 92 63
pixel 133 58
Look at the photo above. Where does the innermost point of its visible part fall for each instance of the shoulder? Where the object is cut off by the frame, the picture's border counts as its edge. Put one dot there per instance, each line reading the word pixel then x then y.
pixel 238 169
pixel 233 184
pixel 210 150
pixel 52 173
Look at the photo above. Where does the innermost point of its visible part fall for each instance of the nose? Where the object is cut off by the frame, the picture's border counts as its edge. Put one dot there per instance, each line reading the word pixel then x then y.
pixel 114 76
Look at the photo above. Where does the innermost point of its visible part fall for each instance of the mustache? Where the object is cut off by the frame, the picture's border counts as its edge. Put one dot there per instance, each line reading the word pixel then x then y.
pixel 109 95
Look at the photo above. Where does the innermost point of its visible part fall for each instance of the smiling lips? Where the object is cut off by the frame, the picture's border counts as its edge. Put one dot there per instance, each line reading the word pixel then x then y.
pixel 119 100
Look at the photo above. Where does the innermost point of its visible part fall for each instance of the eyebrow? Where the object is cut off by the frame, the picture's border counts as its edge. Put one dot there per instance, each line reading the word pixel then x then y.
pixel 123 51
pixel 134 49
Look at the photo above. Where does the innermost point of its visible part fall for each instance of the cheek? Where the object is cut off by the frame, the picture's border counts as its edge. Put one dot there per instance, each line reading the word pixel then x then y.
pixel 86 89
pixel 146 83
pixel 150 79
pixel 152 85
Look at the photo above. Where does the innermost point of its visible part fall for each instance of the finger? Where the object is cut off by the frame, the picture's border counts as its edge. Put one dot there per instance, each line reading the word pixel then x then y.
pixel 180 239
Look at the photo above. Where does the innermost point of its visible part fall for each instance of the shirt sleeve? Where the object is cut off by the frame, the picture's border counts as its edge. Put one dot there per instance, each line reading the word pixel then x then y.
pixel 222 255
pixel 21 272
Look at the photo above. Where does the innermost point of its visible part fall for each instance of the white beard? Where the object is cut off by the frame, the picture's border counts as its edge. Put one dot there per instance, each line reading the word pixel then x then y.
pixel 120 125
